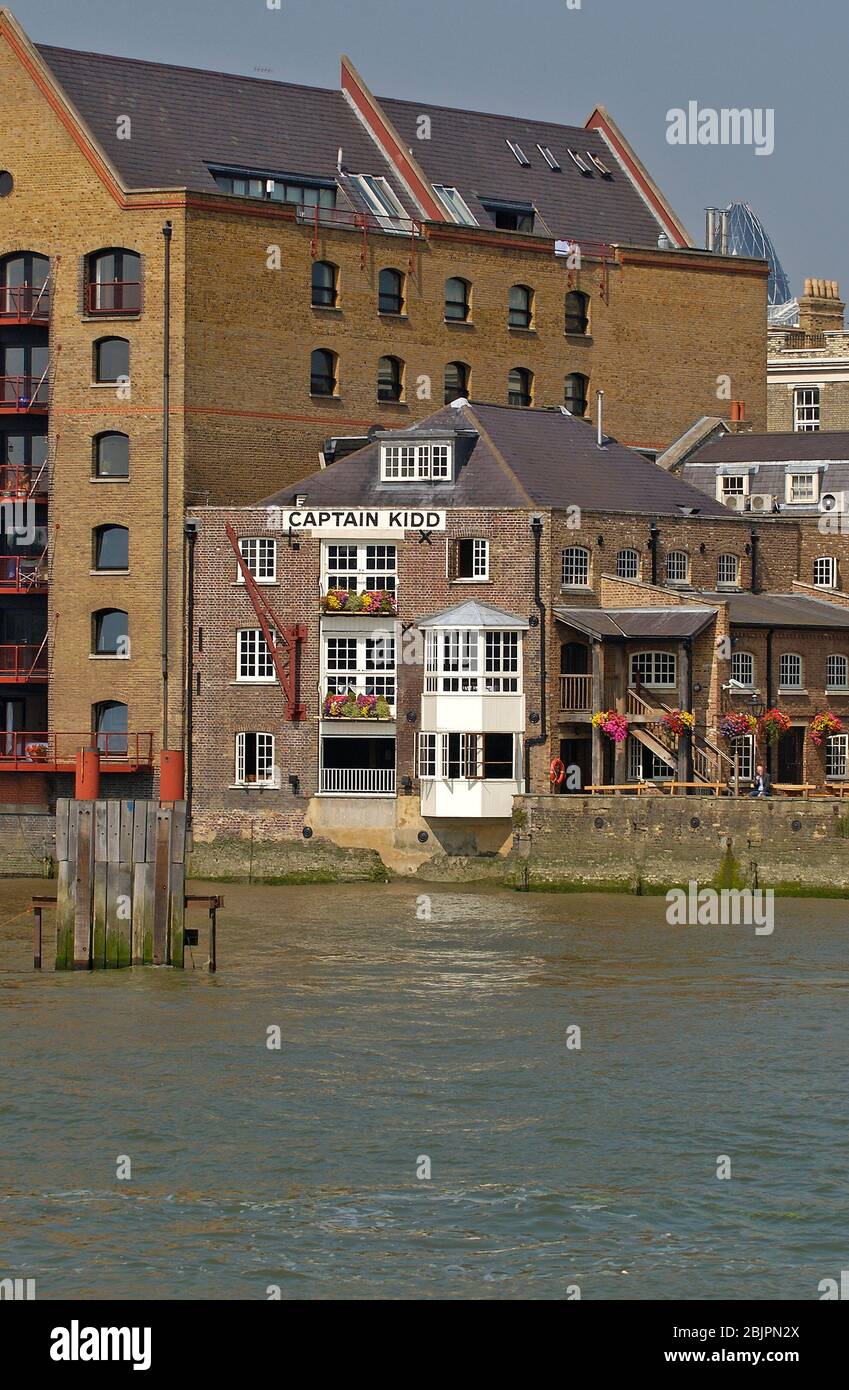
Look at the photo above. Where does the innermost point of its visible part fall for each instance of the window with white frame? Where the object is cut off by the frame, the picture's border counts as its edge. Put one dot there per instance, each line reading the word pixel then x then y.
pixel 467 757
pixel 806 409
pixel 455 204
pixel 380 197
pixel 468 661
pixel 427 757
pixel 825 572
pixel 837 756
pixel 628 564
pixel 362 664
pixel 728 571
pixel 260 555
pixel 743 669
pixel 790 671
pixel 733 485
pixel 255 759
pixel 412 462
pixel 254 661
pixel 575 567
pixel 802 488
pixel 743 750
pixel 501 662
pixel 836 672
pixel 677 567
pixel 358 568
pixel 469 559
pixel 643 763
pixel 659 670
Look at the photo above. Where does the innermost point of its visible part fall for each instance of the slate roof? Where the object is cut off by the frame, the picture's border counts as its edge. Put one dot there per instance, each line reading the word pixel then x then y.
pixel 781 610
pixel 473 614
pixel 767 458
pixel 510 457
pixel 636 623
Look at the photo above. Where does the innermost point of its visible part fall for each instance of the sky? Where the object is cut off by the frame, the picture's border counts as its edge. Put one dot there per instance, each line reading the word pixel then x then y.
pixel 556 60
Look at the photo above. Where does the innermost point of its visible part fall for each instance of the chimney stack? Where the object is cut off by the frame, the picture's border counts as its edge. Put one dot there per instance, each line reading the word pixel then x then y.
pixel 821 308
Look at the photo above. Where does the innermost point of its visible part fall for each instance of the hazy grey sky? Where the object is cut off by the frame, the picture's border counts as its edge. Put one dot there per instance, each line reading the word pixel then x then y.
pixel 640 58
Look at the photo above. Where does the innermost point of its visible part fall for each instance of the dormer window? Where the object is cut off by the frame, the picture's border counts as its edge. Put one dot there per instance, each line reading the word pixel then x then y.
pixel 430 461
pixel 510 217
pixel 802 487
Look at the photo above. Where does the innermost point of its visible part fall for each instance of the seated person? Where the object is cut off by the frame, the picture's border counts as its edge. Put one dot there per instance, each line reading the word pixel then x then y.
pixel 762 783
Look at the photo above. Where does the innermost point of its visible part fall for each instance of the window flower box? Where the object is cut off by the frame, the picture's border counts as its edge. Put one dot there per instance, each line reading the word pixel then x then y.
pixel 351 706
pixel 366 603
pixel 36 752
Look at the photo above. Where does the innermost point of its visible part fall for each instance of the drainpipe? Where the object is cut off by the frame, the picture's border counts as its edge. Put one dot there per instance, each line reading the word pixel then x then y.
pixel 166 441
pixel 769 695
pixel 654 537
pixel 190 529
pixel 690 695
pixel 756 541
pixel 542 737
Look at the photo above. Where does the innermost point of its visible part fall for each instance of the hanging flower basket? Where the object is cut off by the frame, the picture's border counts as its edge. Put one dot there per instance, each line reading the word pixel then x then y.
pixel 351 706
pixel 773 725
pixel 823 725
pixel 367 602
pixel 614 725
pixel 738 725
pixel 36 752
pixel 678 721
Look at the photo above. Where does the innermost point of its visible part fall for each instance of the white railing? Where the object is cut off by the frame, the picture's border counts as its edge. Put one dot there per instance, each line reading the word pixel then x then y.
pixel 358 781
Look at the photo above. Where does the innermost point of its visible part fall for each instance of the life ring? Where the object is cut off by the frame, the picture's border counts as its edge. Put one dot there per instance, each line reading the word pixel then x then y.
pixel 557 772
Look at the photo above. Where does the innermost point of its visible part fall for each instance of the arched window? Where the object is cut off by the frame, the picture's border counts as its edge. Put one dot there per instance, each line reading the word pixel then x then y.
pixel 111 359
pixel 325 284
pixel 657 670
pixel 520 387
pixel 111 723
pixel 836 672
pixel 628 564
pixel 111 548
pixel 728 571
pixel 825 572
pixel 577 312
pixel 743 669
pixel 575 394
pixel 520 311
pixel 110 632
pixel 457 300
pixel 113 281
pixel 456 381
pixel 23 296
pixel 323 372
pixel 575 567
pixel 790 671
pixel 677 567
pixel 111 455
pixel 390 292
pixel 390 379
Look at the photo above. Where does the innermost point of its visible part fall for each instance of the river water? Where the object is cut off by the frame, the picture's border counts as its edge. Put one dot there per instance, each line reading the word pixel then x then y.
pixel 402 1040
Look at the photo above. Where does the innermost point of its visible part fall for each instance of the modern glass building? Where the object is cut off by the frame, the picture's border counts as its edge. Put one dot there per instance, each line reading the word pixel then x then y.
pixel 747 236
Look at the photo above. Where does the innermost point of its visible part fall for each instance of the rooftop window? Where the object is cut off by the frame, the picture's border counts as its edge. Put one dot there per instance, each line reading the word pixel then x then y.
pixel 580 162
pixel 414 462
pixel 519 153
pixel 549 158
pixel 455 205
pixel 382 201
pixel 280 189
pixel 510 217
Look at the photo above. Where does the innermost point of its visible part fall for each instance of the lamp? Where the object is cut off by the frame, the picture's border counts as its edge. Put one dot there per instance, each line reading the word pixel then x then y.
pixel 758 706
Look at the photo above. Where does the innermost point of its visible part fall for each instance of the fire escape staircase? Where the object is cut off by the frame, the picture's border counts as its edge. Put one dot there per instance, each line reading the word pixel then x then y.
pixel 710 764
pixel 284 643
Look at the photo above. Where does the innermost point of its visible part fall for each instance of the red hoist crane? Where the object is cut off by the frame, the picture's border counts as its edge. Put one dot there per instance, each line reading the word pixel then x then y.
pixel 284 643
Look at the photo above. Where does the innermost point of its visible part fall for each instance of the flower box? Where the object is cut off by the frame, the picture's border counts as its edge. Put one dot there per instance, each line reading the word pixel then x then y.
pixel 351 706
pixel 36 752
pixel 365 604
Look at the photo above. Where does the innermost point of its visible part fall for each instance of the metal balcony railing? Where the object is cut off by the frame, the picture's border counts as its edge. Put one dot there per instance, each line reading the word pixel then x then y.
pixel 358 781
pixel 24 750
pixel 22 394
pixel 19 480
pixel 23 662
pixel 24 303
pixel 23 574
pixel 114 297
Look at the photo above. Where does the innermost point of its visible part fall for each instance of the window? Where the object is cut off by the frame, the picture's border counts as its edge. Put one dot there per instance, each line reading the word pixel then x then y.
pixel 453 662
pixel 469 559
pixel 390 292
pixel 457 302
pixel 577 312
pixel 456 381
pixel 255 759
pixel 802 487
pixel 549 158
pixel 358 568
pixel 837 756
pixel 575 567
pixel 520 387
pixel 455 205
pixel 743 669
pixel 254 661
pixel 599 164
pixel 111 359
pixel 520 308
pixel 113 282
pixel 501 663
pixel 111 455
pixel 323 373
pixel 467 757
pixel 23 286
pixel 510 217
pixel 406 462
pixel 579 160
pixel 390 379
pixel 743 750
pixel 379 196
pixel 110 632
pixel 110 719
pixel 658 670
pixel 825 572
pixel 111 548
pixel 519 153
pixel 325 279
pixel 575 394
pixel 628 564
pixel 427 756
pixel 677 567
pixel 806 409
pixel 362 664
pixel 260 555
pixel 643 764
pixel 732 485
pixel 790 671
pixel 836 672
pixel 728 571
pixel 278 189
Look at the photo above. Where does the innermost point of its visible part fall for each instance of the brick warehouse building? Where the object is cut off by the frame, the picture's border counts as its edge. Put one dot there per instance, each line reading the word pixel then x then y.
pixel 518 577
pixel 329 271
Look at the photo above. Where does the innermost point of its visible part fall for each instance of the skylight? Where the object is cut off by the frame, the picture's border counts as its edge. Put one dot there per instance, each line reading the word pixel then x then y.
pixel 602 168
pixel 549 158
pixel 520 154
pixel 455 205
pixel 582 165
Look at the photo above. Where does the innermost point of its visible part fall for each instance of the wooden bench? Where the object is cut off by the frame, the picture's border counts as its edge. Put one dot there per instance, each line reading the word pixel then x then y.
pixel 802 789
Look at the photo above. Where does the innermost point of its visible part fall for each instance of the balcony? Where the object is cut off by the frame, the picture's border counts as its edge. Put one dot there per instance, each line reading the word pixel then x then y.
pixel 114 297
pixel 24 395
pixel 17 480
pixel 576 694
pixel 26 751
pixel 21 663
pixel 358 781
pixel 23 574
pixel 24 304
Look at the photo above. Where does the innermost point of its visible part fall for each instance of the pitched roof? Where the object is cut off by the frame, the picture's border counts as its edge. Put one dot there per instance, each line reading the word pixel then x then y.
pixel 510 457
pixel 781 610
pixel 800 447
pixel 636 623
pixel 473 614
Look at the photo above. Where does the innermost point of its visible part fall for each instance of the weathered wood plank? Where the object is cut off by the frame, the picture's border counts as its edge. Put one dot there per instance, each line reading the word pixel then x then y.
pixel 161 886
pixel 98 916
pixel 113 832
pixel 83 888
pixel 63 807
pixel 125 852
pixel 177 916
pixel 65 916
pixel 178 833
pixel 143 891
pixel 124 916
pixel 140 832
pixel 100 824
pixel 150 849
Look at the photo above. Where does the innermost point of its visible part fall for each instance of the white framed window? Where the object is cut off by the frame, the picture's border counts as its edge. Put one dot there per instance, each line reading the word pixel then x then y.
pixel 260 555
pixel 469 559
pixel 790 671
pixel 825 572
pixel 732 485
pixel 469 757
pixel 363 664
pixel 728 571
pixel 360 567
pixel 743 669
pixel 628 564
pixel 837 756
pixel 255 759
pixel 642 763
pixel 743 749
pixel 806 409
pixel 575 567
pixel 427 757
pixel 836 672
pixel 380 197
pixel 501 662
pixel 658 670
pixel 412 462
pixel 802 488
pixel 469 661
pixel 254 661
pixel 677 567
pixel 455 205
